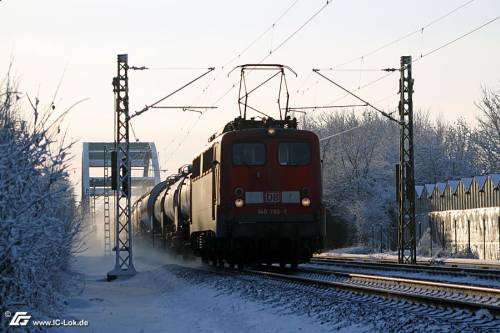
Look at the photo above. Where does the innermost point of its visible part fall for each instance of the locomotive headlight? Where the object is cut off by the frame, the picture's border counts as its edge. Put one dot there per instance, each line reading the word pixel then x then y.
pixel 239 203
pixel 306 202
pixel 271 131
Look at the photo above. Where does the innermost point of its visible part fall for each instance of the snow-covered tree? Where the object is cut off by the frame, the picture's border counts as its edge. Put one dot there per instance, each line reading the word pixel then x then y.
pixel 361 150
pixel 486 138
pixel 38 221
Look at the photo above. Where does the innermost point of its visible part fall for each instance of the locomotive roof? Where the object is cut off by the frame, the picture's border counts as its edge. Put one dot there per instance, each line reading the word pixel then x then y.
pixel 240 123
pixel 217 137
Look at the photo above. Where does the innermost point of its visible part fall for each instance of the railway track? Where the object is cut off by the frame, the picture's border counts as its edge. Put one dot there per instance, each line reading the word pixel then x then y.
pixel 328 305
pixel 491 272
pixel 448 294
pixel 442 262
pixel 472 307
pixel 447 301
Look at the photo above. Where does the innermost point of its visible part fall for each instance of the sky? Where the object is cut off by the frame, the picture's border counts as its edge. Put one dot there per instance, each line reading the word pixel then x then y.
pixel 74 44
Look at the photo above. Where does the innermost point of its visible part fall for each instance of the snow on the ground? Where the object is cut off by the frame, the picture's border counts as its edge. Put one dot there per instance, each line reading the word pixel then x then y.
pixel 155 300
pixel 168 295
pixel 158 300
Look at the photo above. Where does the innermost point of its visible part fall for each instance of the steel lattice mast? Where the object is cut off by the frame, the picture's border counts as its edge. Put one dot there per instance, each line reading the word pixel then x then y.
pixel 123 227
pixel 405 177
pixel 107 217
pixel 407 245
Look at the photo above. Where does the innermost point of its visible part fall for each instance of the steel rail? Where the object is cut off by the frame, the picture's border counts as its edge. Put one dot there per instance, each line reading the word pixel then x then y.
pixel 402 291
pixel 486 272
pixel 425 262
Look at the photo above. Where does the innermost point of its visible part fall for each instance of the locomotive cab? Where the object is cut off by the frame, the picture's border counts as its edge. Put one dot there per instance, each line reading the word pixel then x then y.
pixel 272 196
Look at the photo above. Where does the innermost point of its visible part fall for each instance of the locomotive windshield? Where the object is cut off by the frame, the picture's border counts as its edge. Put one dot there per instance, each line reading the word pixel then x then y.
pixel 249 153
pixel 294 153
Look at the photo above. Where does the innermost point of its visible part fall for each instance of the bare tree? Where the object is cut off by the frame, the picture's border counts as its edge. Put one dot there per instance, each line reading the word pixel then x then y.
pixel 359 163
pixel 487 136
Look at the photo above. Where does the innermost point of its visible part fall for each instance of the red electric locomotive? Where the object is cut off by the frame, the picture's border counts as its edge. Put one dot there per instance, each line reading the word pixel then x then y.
pixel 256 194
pixel 253 195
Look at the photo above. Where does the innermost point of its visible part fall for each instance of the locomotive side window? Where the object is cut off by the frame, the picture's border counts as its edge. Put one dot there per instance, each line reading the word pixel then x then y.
pixel 207 159
pixel 249 153
pixel 196 167
pixel 294 153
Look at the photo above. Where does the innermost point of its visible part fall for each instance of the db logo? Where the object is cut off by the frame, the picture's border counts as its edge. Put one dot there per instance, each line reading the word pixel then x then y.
pixel 20 319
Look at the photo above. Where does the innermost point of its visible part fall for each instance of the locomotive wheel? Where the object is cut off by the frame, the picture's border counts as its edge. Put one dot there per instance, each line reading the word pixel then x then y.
pixel 282 264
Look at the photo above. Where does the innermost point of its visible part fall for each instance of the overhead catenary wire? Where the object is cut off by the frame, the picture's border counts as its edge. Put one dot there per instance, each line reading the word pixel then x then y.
pixel 339 133
pixel 419 58
pixel 180 137
pixel 389 115
pixel 380 48
pixel 357 69
pixel 280 45
pixel 356 96
pixel 181 142
pixel 147 107
pixel 456 39
pixel 259 37
pixel 428 53
pixel 176 136
pixel 378 79
pixel 182 128
pixel 405 36
pixel 175 68
pixel 304 81
pixel 395 41
pixel 184 108
pixel 296 31
pixel 295 108
pixel 252 43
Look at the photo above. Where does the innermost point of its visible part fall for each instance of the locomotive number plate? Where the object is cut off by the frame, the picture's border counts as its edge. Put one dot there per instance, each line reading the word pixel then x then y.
pixel 267 211
pixel 272 197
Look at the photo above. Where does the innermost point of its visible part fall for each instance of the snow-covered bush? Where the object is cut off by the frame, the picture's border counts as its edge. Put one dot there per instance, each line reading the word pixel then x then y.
pixel 38 220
